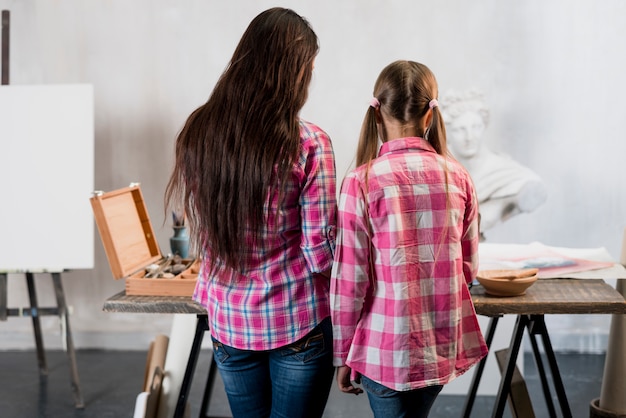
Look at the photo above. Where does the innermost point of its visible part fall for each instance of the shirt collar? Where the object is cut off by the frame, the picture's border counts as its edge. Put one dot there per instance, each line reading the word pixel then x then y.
pixel 401 144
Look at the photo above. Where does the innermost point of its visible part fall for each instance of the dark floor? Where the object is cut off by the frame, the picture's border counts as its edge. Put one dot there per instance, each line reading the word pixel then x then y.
pixel 111 380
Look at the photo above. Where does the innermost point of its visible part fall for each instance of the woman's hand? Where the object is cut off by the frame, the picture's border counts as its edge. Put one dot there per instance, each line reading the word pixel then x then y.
pixel 344 383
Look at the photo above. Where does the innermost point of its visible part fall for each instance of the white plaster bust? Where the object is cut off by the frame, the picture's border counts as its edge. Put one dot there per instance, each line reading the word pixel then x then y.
pixel 504 187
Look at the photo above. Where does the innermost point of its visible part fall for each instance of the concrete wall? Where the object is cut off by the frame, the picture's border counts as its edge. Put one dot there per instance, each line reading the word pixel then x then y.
pixel 552 73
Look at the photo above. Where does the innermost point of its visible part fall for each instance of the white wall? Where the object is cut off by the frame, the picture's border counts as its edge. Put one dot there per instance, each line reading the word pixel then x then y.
pixel 552 73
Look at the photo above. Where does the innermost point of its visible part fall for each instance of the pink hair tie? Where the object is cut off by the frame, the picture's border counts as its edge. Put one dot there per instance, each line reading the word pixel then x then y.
pixel 374 103
pixel 433 103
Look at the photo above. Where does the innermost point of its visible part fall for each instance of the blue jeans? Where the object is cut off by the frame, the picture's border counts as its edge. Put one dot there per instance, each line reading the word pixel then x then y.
pixel 288 382
pixel 388 403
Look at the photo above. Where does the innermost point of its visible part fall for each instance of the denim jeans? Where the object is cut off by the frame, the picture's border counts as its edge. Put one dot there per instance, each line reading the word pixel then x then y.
pixel 288 382
pixel 388 403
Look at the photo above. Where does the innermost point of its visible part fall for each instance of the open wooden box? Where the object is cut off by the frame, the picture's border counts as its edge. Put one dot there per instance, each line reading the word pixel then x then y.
pixel 131 246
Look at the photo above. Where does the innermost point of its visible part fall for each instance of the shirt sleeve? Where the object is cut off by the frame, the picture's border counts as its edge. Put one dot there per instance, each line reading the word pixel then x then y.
pixel 469 241
pixel 318 203
pixel 350 275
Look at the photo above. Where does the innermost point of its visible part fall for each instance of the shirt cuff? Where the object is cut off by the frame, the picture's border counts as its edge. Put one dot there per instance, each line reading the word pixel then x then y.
pixel 320 257
pixel 339 361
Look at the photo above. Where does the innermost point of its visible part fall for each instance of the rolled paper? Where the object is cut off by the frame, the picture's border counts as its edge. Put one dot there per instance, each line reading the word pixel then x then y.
pixel 181 340
pixel 141 404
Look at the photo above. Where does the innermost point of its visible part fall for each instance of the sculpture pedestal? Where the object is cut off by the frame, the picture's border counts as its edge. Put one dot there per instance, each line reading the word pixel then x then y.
pixel 596 412
pixel 613 393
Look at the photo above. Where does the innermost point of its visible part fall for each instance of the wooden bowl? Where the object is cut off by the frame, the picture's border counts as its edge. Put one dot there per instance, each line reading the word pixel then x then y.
pixel 507 282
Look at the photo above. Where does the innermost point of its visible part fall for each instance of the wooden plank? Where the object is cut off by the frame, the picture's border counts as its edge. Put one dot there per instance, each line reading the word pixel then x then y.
pixel 554 296
pixel 519 399
pixel 547 296
pixel 122 302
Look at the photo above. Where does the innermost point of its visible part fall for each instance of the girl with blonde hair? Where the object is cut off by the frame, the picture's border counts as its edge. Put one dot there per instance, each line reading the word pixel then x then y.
pixel 407 246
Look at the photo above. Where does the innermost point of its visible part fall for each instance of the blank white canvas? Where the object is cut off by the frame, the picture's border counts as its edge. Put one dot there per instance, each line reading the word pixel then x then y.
pixel 46 177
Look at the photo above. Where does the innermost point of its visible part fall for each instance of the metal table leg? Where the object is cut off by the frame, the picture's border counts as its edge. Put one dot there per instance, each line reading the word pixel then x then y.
pixel 505 383
pixel 469 400
pixel 201 326
pixel 542 375
pixel 554 368
pixel 208 389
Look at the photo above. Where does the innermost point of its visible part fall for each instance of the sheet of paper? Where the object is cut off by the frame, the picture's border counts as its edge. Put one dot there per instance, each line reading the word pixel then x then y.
pixel 553 262
pixel 140 405
pixel 179 347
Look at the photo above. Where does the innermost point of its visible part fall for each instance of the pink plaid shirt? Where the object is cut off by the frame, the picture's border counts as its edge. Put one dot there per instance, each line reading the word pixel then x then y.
pixel 281 296
pixel 412 323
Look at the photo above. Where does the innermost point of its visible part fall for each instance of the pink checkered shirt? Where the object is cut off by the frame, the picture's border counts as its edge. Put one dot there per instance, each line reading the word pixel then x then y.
pixel 280 296
pixel 413 323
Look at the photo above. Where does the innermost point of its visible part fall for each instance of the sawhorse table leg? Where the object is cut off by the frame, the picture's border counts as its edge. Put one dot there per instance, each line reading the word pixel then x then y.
pixel 208 389
pixel 505 383
pixel 536 326
pixel 469 401
pixel 202 326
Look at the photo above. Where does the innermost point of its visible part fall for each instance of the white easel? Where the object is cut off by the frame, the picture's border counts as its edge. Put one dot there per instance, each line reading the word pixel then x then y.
pixel 34 311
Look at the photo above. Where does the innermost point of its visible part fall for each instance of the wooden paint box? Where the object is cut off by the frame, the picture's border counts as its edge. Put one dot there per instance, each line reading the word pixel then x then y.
pixel 131 246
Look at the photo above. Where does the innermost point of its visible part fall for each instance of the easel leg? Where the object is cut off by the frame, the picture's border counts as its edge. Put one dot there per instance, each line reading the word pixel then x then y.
pixel 6 31
pixel 34 311
pixel 68 343
pixel 469 400
pixel 3 297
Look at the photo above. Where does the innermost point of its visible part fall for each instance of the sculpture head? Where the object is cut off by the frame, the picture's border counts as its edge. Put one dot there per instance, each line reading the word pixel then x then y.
pixel 466 116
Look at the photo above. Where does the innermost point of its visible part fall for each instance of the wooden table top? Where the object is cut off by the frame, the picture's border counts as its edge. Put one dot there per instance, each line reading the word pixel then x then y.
pixel 554 296
pixel 152 304
pixel 546 296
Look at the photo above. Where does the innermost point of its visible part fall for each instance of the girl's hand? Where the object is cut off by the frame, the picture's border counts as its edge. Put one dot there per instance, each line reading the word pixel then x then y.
pixel 343 381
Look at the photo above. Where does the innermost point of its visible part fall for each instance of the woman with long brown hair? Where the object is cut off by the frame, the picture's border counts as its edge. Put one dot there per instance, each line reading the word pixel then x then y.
pixel 257 185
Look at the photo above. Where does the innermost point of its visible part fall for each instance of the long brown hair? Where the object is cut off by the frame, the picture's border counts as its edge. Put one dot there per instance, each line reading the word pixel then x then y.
pixel 404 90
pixel 242 143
